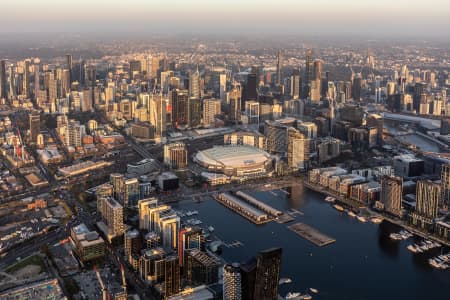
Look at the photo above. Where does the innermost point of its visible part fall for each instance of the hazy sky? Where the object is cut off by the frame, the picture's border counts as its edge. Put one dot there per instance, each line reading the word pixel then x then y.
pixel 302 17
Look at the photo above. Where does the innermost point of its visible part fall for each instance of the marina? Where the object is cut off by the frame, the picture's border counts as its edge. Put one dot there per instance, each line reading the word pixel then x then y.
pixel 311 234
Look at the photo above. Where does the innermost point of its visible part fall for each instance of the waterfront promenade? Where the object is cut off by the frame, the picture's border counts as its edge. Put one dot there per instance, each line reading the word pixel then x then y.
pixel 355 204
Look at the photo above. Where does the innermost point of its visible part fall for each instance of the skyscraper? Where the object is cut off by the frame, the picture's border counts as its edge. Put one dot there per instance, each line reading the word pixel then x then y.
pixel 250 88
pixel 295 84
pixel 194 113
pixel 180 103
pixel 69 65
pixel 3 85
pixel 298 149
pixel 308 74
pixel 235 101
pixel 232 282
pixel 391 194
pixel 35 126
pixel 280 58
pixel 194 84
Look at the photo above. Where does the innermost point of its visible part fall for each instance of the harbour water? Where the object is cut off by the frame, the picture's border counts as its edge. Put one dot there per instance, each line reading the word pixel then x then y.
pixel 362 264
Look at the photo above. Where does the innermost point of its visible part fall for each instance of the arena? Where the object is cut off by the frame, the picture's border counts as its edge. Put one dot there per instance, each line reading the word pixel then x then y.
pixel 237 162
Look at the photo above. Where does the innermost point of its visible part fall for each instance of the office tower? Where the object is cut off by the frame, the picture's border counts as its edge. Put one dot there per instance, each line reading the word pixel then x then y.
pixel 69 66
pixel 235 101
pixel 25 79
pixel 135 67
pixel 308 75
pixel 392 194
pixel 194 112
pixel 445 184
pixel 189 238
pixel 171 276
pixel 194 84
pixel 65 82
pixel 12 83
pixel 222 85
pixel 250 88
pixel 211 109
pixel 232 282
pixel 316 81
pixel 200 268
pixel 356 87
pixel 155 67
pixel 298 149
pixel 3 80
pixel 252 111
pixel 86 100
pixel 170 226
pixel 145 208
pixel 427 197
pixel 180 103
pixel 34 119
pixel 158 114
pixel 280 58
pixel 295 84
pixel 130 192
pixel 175 155
pixel 420 89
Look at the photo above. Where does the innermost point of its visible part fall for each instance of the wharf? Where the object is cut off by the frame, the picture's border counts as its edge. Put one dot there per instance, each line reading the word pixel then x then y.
pixel 284 218
pixel 355 204
pixel 311 234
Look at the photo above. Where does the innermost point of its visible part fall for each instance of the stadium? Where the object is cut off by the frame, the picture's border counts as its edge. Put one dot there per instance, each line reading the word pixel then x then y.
pixel 237 162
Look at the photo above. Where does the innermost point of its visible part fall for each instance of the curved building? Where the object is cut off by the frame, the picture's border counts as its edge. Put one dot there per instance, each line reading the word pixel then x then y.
pixel 238 162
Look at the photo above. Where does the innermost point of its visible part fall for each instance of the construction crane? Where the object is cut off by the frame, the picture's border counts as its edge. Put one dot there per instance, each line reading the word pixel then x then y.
pixel 124 281
pixel 100 281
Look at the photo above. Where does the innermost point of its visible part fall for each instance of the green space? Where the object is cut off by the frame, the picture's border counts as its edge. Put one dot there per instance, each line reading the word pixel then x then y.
pixel 30 260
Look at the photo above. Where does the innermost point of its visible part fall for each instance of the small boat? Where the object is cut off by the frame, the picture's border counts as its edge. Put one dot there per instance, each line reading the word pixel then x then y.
pixel 338 207
pixel 306 297
pixel 412 249
pixel 292 295
pixel 351 213
pixel 315 291
pixel 210 228
pixel 330 199
pixel 361 219
pixel 284 280
pixel 376 220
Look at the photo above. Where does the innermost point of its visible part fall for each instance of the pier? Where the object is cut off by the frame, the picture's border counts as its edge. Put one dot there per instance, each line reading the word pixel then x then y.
pixel 355 204
pixel 311 234
pixel 243 208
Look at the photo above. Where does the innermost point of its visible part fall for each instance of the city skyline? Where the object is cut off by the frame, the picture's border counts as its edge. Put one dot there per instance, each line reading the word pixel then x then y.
pixel 287 17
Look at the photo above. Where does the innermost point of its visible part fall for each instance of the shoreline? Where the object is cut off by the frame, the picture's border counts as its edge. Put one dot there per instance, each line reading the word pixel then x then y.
pixel 356 204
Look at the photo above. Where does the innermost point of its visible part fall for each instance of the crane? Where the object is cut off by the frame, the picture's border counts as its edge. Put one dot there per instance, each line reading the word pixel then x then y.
pixel 102 285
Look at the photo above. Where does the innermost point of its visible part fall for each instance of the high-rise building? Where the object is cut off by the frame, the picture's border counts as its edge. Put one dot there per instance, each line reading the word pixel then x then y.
pixel 232 282
pixel 69 66
pixel 189 238
pixel 145 208
pixel 211 108
pixel 132 244
pixel 180 104
pixel 308 74
pixel 298 149
pixel 112 214
pixel 35 125
pixel 252 111
pixel 260 276
pixel 130 192
pixel 356 87
pixel 170 226
pixel 250 88
pixel 280 58
pixel 235 101
pixel 295 84
pixel 194 85
pixel 3 80
pixel 200 268
pixel 392 194
pixel 428 194
pixel 171 276
pixel 445 184
pixel 194 113
pixel 175 155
